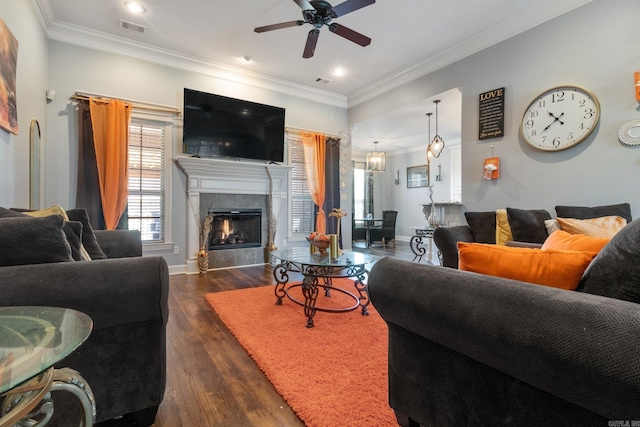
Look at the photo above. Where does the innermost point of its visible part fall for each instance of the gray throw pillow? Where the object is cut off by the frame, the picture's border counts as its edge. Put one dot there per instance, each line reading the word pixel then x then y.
pixel 528 225
pixel 29 240
pixel 89 240
pixel 73 233
pixel 482 226
pixel 615 271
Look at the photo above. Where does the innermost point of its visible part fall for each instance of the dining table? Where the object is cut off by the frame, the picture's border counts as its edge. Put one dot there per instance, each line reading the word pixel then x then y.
pixel 368 223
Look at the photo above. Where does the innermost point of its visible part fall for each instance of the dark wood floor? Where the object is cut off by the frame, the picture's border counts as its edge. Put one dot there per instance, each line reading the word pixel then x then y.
pixel 211 380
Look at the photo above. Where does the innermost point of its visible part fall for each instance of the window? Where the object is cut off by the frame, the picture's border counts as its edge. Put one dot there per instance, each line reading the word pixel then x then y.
pixel 302 206
pixel 148 197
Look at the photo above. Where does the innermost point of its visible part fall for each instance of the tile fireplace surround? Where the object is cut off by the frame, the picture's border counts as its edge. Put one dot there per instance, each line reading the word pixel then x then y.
pixel 223 183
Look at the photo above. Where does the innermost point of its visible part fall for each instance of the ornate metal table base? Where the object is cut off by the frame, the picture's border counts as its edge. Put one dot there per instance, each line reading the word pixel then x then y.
pixel 311 284
pixel 417 241
pixel 30 404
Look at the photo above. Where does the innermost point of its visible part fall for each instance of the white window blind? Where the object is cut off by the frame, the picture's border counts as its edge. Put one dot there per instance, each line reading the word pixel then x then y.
pixel 147 179
pixel 302 206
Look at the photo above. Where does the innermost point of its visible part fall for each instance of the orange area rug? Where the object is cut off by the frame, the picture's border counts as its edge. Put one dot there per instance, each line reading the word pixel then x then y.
pixel 334 374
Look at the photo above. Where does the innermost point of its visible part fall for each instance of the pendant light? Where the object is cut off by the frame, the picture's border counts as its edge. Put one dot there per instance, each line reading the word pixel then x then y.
pixel 437 144
pixel 376 160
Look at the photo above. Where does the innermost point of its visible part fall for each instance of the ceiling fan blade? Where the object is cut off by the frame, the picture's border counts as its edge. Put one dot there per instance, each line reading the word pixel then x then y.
pixel 310 47
pixel 349 34
pixel 278 26
pixel 349 6
pixel 304 4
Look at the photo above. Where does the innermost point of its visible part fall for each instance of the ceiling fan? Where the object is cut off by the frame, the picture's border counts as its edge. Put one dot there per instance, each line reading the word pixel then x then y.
pixel 319 13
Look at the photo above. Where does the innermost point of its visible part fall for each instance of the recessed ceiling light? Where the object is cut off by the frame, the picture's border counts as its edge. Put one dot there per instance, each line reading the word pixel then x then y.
pixel 134 7
pixel 246 58
pixel 339 71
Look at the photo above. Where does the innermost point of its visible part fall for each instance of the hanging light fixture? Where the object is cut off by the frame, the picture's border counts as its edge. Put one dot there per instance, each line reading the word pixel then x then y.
pixel 437 144
pixel 376 160
pixel 429 152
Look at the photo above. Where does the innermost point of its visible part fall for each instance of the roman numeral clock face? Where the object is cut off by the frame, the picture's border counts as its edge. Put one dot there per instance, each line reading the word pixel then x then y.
pixel 560 118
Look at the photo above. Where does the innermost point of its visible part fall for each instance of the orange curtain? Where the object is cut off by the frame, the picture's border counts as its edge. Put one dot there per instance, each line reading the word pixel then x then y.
pixel 110 120
pixel 314 159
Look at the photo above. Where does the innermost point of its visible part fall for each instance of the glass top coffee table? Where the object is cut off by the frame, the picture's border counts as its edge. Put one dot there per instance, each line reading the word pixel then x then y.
pixel 32 340
pixel 317 271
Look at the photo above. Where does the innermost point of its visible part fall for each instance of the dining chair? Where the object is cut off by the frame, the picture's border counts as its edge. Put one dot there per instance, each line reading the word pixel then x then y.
pixel 386 232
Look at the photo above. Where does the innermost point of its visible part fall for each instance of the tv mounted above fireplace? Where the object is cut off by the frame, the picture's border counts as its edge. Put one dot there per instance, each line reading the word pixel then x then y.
pixel 218 126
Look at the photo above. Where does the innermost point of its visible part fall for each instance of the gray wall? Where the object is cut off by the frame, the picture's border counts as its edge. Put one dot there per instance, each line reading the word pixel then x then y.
pixel 31 86
pixel 73 68
pixel 596 46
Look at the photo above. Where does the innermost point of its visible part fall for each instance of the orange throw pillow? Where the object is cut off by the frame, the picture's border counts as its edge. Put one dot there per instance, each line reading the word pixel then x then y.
pixel 605 226
pixel 562 240
pixel 551 267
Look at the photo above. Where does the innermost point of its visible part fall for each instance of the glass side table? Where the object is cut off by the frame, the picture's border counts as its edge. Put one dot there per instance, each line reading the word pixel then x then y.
pixel 32 340
pixel 315 267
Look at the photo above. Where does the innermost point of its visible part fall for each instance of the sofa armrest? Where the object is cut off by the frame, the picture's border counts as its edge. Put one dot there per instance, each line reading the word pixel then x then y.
pixel 120 243
pixel 113 292
pixel 447 238
pixel 579 347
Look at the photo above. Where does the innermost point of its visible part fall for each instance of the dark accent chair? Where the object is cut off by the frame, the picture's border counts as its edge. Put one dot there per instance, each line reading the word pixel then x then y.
pixel 386 232
pixel 358 232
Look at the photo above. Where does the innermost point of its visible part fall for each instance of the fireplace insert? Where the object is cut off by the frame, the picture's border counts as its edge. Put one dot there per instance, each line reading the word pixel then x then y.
pixel 235 229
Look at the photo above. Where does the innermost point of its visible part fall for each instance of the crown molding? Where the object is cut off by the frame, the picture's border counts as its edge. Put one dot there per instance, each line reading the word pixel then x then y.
pixel 520 22
pixel 97 40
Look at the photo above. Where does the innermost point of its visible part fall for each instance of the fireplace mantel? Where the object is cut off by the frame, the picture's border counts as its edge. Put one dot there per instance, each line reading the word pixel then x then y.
pixel 232 177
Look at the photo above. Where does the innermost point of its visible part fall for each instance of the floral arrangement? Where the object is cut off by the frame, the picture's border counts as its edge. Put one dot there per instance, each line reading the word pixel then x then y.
pixel 488 170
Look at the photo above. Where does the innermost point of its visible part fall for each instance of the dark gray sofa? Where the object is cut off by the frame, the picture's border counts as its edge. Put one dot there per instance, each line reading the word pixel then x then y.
pixel 470 349
pixel 124 358
pixel 527 226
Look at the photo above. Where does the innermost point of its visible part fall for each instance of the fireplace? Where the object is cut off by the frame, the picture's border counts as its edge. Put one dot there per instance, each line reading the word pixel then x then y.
pixel 235 229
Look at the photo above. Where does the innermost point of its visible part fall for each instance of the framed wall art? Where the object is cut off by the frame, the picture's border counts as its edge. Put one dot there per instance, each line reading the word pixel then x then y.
pixel 418 176
pixel 8 63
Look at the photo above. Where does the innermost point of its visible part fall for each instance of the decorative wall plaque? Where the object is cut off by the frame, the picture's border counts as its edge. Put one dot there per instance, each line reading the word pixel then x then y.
pixel 491 117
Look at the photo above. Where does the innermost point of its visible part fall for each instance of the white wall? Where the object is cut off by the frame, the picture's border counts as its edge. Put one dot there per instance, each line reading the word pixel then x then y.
pixel 31 86
pixel 595 46
pixel 73 68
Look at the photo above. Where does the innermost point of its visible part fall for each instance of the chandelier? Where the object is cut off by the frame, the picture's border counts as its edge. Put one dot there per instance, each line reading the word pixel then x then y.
pixel 376 160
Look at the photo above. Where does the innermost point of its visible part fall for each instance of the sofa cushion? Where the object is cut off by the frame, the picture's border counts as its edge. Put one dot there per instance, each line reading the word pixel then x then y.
pixel 482 226
pixel 33 240
pixel 562 240
pixel 503 229
pixel 606 226
pixel 89 240
pixel 583 212
pixel 528 225
pixel 615 271
pixel 556 268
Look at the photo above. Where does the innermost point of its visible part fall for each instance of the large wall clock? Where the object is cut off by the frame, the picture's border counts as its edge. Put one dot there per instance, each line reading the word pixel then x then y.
pixel 560 118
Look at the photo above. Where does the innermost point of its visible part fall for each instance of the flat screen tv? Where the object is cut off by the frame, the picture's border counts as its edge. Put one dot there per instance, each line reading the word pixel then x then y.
pixel 218 126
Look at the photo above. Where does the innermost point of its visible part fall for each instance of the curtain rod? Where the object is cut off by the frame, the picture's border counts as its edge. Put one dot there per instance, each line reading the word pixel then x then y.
pixel 138 105
pixel 315 131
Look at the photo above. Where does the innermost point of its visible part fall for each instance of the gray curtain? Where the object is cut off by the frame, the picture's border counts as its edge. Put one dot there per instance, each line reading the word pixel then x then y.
pixel 332 182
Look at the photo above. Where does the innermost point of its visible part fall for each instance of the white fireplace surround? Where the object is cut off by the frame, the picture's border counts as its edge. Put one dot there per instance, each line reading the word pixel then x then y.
pixel 231 177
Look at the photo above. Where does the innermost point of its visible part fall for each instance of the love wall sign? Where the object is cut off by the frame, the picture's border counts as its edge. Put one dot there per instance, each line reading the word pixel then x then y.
pixel 491 119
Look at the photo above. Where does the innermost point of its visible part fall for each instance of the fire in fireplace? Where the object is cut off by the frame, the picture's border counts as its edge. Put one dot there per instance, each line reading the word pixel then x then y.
pixel 235 229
